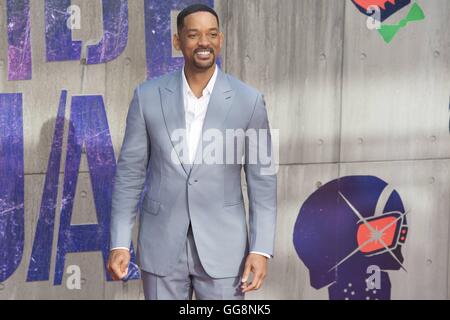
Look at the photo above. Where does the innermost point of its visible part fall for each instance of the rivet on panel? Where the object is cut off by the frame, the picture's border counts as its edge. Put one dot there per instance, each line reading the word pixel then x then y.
pixel 433 139
pixel 318 184
pixel 2 63
pixel 83 61
pixel 431 180
pixel 323 57
pixel 320 142
pixel 360 140
pixel 363 56
pixel 83 194
pixel 437 54
pixel 127 61
pixel 247 58
pixel 83 281
pixel 429 262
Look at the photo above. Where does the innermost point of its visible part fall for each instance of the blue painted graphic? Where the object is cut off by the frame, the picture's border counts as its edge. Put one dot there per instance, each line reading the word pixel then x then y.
pixel 88 128
pixel 11 184
pixel 344 228
pixel 115 33
pixel 39 269
pixel 58 37
pixel 19 40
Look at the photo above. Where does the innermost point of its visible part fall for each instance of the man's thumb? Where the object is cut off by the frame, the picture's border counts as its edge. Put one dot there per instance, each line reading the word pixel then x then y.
pixel 246 274
pixel 124 266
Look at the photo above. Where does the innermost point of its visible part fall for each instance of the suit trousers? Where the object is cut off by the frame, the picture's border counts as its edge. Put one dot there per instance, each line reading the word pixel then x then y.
pixel 189 277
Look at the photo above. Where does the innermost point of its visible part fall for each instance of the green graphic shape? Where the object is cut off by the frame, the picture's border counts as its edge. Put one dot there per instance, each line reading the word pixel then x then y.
pixel 388 32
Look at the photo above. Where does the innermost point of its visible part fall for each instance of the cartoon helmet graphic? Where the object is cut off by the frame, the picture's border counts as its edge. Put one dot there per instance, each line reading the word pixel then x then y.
pixel 386 7
pixel 347 229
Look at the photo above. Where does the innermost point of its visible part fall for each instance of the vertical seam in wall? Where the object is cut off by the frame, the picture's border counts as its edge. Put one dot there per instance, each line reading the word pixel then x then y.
pixel 448 252
pixel 342 91
pixel 224 60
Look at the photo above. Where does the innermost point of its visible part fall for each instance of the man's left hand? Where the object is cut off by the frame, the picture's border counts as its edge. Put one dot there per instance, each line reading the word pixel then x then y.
pixel 256 264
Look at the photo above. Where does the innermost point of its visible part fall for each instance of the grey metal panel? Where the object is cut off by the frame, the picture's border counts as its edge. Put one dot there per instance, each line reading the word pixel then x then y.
pixel 288 278
pixel 425 191
pixel 396 96
pixel 292 52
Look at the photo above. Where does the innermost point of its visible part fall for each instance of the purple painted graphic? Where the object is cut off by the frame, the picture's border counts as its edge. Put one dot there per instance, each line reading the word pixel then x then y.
pixel 88 128
pixel 39 269
pixel 348 233
pixel 115 33
pixel 158 35
pixel 12 184
pixel 58 37
pixel 387 7
pixel 19 42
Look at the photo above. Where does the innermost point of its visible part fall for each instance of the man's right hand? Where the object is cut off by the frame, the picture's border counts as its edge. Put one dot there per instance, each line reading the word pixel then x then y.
pixel 118 263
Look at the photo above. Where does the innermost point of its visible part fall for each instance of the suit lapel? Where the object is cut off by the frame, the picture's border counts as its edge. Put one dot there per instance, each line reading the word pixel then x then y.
pixel 172 104
pixel 218 108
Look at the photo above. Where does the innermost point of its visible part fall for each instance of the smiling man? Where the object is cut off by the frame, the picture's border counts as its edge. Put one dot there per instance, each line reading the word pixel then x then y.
pixel 193 234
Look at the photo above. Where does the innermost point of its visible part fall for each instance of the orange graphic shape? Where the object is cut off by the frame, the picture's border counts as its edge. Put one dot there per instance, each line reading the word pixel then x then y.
pixel 379 3
pixel 364 234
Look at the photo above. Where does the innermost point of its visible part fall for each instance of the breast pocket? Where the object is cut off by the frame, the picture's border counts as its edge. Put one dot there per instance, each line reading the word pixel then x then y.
pixel 150 206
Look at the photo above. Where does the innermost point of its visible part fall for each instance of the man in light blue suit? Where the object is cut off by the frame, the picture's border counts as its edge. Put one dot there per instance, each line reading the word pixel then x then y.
pixel 193 234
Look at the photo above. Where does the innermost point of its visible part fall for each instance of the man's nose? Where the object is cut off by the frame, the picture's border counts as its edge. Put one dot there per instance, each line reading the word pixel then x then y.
pixel 203 40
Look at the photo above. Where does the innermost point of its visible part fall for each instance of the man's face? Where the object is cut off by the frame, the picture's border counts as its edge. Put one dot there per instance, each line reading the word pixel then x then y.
pixel 199 40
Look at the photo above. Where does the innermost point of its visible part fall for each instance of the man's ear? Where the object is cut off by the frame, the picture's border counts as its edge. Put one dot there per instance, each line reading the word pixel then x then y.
pixel 176 41
pixel 221 39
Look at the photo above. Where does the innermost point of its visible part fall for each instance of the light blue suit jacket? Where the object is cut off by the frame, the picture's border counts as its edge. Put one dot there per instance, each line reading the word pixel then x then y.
pixel 209 196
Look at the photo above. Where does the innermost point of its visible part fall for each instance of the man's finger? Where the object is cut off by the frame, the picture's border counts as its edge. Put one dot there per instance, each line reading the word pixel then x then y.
pixel 260 283
pixel 246 273
pixel 116 272
pixel 124 266
pixel 118 267
pixel 250 287
pixel 255 281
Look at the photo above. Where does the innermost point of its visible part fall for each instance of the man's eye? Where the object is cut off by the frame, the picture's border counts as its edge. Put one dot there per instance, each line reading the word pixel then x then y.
pixel 213 35
pixel 192 36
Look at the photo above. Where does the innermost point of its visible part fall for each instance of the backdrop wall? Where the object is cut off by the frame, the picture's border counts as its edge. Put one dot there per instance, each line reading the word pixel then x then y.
pixel 349 105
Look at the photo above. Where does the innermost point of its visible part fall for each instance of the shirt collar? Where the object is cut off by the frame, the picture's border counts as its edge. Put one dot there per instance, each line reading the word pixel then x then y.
pixel 209 87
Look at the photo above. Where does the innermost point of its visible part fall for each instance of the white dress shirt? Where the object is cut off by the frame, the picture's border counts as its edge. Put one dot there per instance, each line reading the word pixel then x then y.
pixel 195 113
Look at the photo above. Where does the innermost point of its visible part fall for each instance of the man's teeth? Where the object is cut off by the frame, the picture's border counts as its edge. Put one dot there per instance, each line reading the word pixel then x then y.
pixel 203 53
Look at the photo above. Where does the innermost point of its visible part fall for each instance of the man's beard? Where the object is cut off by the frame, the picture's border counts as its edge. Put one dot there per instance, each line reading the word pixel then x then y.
pixel 205 66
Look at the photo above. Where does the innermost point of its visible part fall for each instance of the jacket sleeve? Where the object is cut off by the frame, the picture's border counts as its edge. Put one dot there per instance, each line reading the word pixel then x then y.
pixel 130 175
pixel 260 171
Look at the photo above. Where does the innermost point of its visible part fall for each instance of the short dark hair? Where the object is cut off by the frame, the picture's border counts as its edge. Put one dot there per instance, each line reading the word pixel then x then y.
pixel 198 7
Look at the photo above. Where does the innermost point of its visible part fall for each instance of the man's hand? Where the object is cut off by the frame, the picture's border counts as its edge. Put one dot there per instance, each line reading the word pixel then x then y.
pixel 118 263
pixel 256 264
